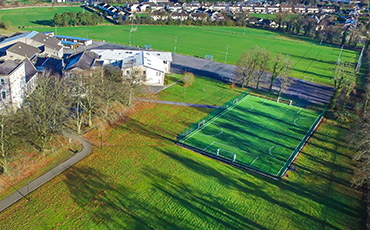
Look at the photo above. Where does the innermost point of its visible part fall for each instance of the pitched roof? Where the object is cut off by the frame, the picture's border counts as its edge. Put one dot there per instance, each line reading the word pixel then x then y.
pixel 83 60
pixel 30 69
pixel 48 41
pixel 7 67
pixel 53 65
pixel 23 49
pixel 25 35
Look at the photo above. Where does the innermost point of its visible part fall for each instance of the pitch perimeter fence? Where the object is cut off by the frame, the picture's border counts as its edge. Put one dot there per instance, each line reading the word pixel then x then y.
pixel 301 144
pixel 233 160
pixel 211 115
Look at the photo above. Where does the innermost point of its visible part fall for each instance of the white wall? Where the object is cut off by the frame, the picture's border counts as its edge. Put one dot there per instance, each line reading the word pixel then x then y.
pixel 154 77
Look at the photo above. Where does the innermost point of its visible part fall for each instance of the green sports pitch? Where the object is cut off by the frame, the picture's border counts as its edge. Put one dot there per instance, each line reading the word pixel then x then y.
pixel 253 133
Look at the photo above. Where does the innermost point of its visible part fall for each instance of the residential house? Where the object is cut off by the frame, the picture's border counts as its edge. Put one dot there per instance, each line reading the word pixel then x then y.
pixel 272 9
pixel 199 16
pixel 260 10
pixel 234 8
pixel 174 7
pixel 286 8
pixel 160 15
pixel 179 16
pixel 300 9
pixel 313 10
pixel 159 6
pixel 247 8
pixel 328 9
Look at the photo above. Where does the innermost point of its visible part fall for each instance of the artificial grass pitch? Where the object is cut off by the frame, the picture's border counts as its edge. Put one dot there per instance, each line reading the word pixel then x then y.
pixel 256 133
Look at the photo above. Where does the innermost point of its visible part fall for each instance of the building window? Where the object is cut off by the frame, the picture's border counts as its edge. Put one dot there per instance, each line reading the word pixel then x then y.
pixel 3 95
pixel 165 62
pixel 158 73
pixel 2 81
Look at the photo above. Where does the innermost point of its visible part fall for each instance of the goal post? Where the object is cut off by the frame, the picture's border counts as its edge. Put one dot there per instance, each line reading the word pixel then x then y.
pixel 201 123
pixel 284 100
pixel 308 78
pixel 209 57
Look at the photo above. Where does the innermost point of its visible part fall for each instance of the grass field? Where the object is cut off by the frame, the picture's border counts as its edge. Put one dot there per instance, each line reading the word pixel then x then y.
pixel 308 57
pixel 262 134
pixel 34 17
pixel 141 179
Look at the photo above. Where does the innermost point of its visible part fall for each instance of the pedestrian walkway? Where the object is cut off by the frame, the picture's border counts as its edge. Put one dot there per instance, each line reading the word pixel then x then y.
pixel 33 185
pixel 180 103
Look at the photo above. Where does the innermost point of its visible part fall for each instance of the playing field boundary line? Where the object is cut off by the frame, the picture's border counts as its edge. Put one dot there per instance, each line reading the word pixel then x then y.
pixel 302 143
pixel 215 113
pixel 229 162
pixel 215 118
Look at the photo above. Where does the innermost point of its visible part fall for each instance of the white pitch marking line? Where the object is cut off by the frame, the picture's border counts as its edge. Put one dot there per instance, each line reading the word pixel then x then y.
pixel 216 117
pixel 264 102
pixel 299 110
pixel 217 134
pixel 295 121
pixel 209 145
pixel 252 107
pixel 270 150
pixel 254 160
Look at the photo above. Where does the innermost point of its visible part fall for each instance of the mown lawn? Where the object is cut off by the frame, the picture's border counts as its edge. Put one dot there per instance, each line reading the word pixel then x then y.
pixel 35 16
pixel 308 57
pixel 141 179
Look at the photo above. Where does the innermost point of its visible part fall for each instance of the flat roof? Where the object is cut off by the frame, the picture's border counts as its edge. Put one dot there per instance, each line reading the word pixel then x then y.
pixel 70 37
pixel 68 43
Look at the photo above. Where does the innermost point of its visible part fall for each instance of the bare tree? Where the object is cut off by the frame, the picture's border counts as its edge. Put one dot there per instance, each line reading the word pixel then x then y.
pixel 77 92
pixel 262 65
pixel 47 108
pixel 360 139
pixel 246 67
pixel 285 80
pixel 344 76
pixel 8 132
pixel 367 97
pixel 277 67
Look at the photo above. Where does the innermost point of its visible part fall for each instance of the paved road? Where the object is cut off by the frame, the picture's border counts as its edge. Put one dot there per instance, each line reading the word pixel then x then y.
pixel 33 185
pixel 309 92
pixel 180 103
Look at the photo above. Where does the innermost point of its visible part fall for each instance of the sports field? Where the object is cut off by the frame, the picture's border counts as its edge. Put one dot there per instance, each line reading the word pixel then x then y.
pixel 254 132
pixel 308 57
pixel 34 16
pixel 140 179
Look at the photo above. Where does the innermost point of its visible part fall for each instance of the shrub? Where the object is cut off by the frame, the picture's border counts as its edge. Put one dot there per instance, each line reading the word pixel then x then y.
pixel 188 79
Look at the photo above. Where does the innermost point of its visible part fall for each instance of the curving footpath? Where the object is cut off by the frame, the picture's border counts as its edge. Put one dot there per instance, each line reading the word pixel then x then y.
pixel 33 185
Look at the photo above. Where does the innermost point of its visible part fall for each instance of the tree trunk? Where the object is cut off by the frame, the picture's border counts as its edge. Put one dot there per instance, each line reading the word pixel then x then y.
pixel 334 98
pixel 271 83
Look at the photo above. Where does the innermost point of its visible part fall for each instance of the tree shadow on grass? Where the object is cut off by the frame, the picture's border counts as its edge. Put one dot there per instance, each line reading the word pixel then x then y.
pixel 112 205
pixel 250 188
pixel 43 22
pixel 204 205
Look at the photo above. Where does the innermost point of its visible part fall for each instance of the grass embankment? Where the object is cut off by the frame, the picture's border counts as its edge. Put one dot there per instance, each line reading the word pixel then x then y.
pixel 28 163
pixel 308 57
pixel 142 179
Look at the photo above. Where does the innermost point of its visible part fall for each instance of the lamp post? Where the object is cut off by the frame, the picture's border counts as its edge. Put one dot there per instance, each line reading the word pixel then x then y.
pixel 174 50
pixel 227 50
